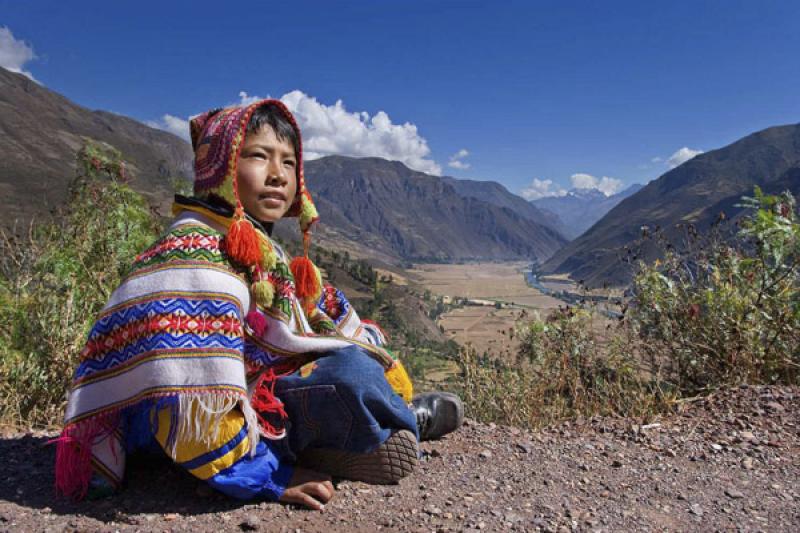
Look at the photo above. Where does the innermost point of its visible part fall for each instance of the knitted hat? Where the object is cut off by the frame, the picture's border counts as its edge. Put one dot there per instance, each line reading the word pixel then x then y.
pixel 217 139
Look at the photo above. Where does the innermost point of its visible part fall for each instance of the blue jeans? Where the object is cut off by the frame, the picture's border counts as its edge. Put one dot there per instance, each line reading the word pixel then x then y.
pixel 340 401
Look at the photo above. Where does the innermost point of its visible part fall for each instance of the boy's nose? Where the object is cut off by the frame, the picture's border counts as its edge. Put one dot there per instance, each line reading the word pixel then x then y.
pixel 275 171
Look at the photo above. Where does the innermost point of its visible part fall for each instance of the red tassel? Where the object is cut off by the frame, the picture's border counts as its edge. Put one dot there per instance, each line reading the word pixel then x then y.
pixel 257 322
pixel 241 242
pixel 265 403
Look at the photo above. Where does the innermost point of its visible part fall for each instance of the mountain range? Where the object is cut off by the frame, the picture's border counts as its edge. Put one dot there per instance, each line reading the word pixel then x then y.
pixel 384 209
pixel 395 210
pixel 381 207
pixel 695 192
pixel 579 209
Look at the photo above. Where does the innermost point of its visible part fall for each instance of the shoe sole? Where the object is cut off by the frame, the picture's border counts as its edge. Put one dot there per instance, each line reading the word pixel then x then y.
pixel 392 461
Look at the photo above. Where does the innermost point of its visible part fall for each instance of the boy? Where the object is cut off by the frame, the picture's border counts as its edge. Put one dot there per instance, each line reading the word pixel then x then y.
pixel 235 362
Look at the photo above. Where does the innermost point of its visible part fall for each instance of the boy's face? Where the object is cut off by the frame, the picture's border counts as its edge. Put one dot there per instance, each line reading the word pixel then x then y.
pixel 267 176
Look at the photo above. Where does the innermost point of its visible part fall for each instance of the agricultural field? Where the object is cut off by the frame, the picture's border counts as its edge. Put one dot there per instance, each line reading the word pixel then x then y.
pixel 482 324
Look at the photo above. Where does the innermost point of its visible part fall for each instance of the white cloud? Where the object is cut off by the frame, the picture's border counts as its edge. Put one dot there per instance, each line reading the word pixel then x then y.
pixel 541 189
pixel 606 185
pixel 246 99
pixel 15 53
pixel 681 156
pixel 175 125
pixel 329 130
pixel 456 160
pixel 334 130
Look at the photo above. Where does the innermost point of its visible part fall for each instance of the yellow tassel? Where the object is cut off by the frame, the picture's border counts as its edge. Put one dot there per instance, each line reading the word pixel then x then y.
pixel 308 212
pixel 268 258
pixel 264 293
pixel 399 380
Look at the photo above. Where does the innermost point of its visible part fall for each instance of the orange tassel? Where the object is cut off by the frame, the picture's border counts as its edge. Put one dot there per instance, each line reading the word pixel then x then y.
pixel 241 242
pixel 305 279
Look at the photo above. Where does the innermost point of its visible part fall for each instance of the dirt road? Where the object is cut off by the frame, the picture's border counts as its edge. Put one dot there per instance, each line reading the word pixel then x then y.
pixel 730 462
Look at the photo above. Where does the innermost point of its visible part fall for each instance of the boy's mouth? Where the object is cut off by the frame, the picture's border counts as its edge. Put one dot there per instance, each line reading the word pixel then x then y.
pixel 272 195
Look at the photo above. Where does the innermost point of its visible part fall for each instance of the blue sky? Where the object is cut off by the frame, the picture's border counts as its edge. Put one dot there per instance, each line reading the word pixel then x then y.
pixel 558 92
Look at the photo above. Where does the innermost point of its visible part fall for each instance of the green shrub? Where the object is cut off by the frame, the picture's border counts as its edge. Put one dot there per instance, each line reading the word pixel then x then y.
pixel 54 281
pixel 729 313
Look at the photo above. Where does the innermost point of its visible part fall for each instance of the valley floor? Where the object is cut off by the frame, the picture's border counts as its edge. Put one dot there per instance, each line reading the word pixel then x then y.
pixel 480 323
pixel 728 462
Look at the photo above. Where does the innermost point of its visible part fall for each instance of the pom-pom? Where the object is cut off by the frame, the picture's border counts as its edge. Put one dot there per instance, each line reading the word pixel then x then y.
pixel 257 322
pixel 399 380
pixel 242 242
pixel 264 293
pixel 306 278
pixel 268 258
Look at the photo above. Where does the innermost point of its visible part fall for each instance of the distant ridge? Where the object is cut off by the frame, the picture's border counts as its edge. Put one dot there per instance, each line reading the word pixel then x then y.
pixel 414 216
pixel 494 193
pixel 40 131
pixel 695 192
pixel 579 209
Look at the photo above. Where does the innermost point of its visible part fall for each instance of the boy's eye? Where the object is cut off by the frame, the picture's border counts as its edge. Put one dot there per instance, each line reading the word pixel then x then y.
pixel 289 162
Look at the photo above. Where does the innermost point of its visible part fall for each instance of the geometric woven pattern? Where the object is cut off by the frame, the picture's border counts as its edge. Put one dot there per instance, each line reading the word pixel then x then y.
pixel 160 325
pixel 192 243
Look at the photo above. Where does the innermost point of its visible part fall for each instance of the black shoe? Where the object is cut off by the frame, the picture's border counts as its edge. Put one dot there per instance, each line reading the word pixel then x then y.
pixel 438 413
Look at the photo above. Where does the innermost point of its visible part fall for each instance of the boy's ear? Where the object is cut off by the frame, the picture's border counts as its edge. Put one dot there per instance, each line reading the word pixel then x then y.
pixel 197 124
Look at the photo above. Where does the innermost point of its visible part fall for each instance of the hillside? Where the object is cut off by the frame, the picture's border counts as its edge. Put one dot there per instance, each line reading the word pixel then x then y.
pixel 579 209
pixel 41 131
pixel 397 211
pixel 695 192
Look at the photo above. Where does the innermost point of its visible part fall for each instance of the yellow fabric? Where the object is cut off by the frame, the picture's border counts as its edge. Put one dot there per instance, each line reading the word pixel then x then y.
pixel 186 450
pixel 400 382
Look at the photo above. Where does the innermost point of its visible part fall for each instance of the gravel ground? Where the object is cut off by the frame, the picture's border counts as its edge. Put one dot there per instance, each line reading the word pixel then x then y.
pixel 728 462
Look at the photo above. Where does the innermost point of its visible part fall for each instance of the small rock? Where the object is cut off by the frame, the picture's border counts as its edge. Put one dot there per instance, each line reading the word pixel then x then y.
pixel 524 447
pixel 775 406
pixel 734 493
pixel 716 447
pixel 747 463
pixel 250 523
pixel 432 510
pixel 747 435
pixel 485 454
pixel 616 463
pixel 436 453
pixel 695 509
pixel 670 452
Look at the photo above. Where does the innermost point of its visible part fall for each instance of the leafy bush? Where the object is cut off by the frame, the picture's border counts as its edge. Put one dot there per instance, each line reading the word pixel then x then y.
pixel 54 281
pixel 729 313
